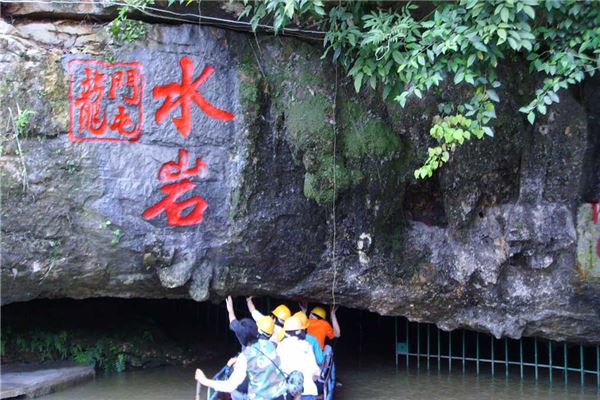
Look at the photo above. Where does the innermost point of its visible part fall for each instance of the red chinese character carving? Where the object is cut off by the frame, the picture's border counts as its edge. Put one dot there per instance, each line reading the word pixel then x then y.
pixel 89 103
pixel 133 80
pixel 106 104
pixel 115 84
pixel 172 170
pixel 175 210
pixel 183 94
pixel 121 121
pixel 595 211
pixel 194 206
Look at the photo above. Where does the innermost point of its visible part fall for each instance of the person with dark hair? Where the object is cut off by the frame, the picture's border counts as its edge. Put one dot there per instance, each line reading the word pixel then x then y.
pixel 259 363
pixel 244 329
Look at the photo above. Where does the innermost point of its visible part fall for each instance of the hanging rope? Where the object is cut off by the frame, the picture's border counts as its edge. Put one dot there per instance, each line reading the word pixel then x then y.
pixel 335 132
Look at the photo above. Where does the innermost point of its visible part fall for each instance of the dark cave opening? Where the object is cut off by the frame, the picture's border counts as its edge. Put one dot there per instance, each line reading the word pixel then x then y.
pixel 180 320
pixel 201 330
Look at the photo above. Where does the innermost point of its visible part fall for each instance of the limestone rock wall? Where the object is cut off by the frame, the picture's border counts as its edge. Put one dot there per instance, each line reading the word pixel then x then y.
pixel 499 240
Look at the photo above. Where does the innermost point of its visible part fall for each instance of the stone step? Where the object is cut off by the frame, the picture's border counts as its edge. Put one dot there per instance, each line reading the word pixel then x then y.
pixel 37 380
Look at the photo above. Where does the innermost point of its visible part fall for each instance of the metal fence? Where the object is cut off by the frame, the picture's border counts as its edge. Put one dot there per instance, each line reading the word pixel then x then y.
pixel 426 344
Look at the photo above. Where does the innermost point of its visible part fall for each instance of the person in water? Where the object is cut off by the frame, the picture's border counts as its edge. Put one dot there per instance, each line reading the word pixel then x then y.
pixel 319 327
pixel 280 314
pixel 296 354
pixel 258 362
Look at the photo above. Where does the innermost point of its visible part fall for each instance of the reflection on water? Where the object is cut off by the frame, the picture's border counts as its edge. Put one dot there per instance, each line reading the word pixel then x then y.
pixel 362 379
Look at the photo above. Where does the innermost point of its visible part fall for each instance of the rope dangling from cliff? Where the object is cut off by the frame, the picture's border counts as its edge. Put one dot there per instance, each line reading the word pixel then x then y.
pixel 335 132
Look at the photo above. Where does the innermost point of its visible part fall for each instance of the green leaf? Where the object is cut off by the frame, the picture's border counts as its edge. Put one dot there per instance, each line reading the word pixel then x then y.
pixel 471 59
pixel 529 11
pixel 431 55
pixel 531 117
pixel 502 35
pixel 402 98
pixel 386 91
pixel 504 14
pixel 358 81
pixel 541 108
pixel 492 95
pixel 459 77
pixel 373 82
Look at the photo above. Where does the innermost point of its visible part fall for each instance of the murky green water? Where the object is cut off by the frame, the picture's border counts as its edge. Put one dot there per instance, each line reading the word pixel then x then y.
pixel 362 379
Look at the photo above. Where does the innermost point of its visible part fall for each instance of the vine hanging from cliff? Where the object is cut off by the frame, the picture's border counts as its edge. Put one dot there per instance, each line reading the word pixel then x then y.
pixel 407 52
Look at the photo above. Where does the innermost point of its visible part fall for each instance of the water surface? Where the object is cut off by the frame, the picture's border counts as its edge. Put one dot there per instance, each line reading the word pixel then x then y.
pixel 375 378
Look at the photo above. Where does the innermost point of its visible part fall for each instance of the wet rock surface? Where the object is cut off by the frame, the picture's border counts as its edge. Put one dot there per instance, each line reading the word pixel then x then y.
pixel 490 243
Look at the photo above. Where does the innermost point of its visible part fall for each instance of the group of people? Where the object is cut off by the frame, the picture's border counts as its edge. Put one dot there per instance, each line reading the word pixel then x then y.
pixel 282 354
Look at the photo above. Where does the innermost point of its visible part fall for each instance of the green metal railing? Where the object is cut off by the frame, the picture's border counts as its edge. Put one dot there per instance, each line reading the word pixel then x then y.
pixel 434 351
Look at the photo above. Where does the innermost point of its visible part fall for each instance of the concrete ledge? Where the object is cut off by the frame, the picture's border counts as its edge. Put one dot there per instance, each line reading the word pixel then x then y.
pixel 37 380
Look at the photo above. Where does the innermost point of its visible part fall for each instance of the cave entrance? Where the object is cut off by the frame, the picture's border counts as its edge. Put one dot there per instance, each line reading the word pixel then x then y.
pixel 177 336
pixel 189 325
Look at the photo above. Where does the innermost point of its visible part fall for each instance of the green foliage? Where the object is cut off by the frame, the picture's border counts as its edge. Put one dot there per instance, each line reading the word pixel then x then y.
pixel 117 232
pixel 458 43
pixel 104 354
pixel 123 29
pixel 22 121
pixel 283 11
pixel 49 346
pixel 319 184
pixel 90 356
pixel 120 365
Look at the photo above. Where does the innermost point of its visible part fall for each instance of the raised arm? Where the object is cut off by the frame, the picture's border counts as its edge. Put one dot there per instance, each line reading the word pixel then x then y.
pixel 256 315
pixel 334 322
pixel 303 306
pixel 230 311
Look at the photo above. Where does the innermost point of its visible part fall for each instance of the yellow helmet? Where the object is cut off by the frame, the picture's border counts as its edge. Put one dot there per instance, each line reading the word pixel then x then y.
pixel 266 325
pixel 320 311
pixel 293 324
pixel 302 317
pixel 282 312
pixel 280 335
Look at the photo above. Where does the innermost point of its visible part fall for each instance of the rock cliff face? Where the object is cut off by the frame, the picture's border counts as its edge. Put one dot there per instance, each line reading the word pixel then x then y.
pixel 503 239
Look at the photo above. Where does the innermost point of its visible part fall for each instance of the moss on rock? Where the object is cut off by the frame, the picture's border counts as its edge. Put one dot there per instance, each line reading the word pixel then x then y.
pixel 366 136
pixel 308 125
pixel 319 185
